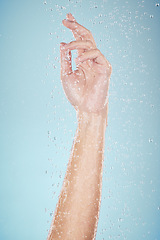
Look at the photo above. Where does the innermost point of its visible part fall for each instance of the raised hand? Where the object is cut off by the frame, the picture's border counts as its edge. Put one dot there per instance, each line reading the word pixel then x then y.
pixel 77 212
pixel 87 87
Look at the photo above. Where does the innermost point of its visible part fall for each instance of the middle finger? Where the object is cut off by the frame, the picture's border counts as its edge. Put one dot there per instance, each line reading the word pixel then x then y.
pixel 81 32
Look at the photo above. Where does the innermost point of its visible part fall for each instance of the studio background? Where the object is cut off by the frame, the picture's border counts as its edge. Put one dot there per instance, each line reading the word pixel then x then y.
pixel 37 123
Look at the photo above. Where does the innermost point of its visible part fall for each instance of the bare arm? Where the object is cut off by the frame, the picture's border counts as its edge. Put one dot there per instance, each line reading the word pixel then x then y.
pixel 77 212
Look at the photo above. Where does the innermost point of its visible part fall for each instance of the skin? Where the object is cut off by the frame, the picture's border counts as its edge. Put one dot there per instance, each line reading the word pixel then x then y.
pixel 77 212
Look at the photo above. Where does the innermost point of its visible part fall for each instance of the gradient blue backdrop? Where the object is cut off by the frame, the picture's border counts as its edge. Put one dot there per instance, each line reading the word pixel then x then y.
pixel 37 123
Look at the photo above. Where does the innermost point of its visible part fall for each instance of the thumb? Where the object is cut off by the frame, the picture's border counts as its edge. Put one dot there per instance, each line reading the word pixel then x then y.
pixel 66 63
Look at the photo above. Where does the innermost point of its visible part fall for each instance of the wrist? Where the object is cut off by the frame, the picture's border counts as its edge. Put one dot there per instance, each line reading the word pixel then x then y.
pixel 89 117
pixel 92 119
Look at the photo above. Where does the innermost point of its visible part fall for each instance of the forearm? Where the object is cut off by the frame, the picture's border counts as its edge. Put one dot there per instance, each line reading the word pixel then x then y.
pixel 77 212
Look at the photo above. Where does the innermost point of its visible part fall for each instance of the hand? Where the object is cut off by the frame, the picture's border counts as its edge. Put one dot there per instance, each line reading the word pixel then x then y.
pixel 87 87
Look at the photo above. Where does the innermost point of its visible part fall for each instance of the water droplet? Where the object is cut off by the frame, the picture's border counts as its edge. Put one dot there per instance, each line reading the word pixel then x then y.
pixel 157 5
pixel 150 140
pixel 151 16
pixel 159 208
pixel 45 2
pixel 61 7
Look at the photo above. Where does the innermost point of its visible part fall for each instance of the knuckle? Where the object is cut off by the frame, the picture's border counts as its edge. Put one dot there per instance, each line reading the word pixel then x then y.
pixel 88 33
pixel 109 67
pixel 89 43
pixel 98 51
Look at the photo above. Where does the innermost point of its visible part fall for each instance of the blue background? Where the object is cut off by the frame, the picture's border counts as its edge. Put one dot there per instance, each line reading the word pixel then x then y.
pixel 37 123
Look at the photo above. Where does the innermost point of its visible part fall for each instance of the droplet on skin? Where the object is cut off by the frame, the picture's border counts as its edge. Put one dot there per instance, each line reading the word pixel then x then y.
pixel 157 5
pixel 151 16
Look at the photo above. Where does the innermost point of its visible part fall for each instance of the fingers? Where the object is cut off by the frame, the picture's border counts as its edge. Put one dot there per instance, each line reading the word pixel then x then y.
pixel 69 16
pixel 66 64
pixel 93 54
pixel 84 44
pixel 75 45
pixel 74 26
pixel 78 30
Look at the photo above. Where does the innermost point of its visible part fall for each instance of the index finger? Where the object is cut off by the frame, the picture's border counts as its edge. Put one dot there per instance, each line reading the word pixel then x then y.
pixel 81 31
